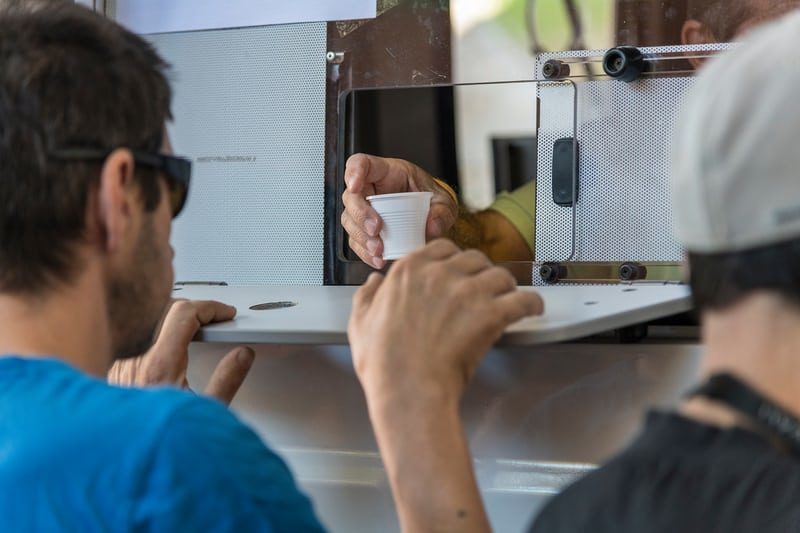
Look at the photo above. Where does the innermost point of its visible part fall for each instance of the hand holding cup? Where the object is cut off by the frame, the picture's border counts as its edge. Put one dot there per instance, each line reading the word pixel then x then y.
pixel 367 175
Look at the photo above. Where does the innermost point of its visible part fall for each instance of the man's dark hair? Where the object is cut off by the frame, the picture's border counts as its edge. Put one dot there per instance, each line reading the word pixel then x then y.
pixel 722 17
pixel 721 280
pixel 68 77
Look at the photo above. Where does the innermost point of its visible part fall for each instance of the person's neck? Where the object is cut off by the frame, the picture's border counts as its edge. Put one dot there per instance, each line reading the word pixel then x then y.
pixel 758 340
pixel 68 323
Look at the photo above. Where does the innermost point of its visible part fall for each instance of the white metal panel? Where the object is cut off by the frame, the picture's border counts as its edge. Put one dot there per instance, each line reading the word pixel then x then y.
pixel 624 136
pixel 250 111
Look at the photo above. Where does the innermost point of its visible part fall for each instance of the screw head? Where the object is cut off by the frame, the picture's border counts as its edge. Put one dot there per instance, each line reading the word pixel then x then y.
pixel 550 273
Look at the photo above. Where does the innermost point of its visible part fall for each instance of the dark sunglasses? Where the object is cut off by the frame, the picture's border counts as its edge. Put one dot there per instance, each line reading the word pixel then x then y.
pixel 178 170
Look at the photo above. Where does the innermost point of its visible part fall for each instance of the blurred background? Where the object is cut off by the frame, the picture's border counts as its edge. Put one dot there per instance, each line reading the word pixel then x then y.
pixel 462 134
pixel 496 40
pixel 450 85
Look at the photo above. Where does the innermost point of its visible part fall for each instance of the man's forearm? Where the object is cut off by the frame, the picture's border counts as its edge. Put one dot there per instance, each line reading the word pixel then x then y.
pixel 468 231
pixel 491 233
pixel 429 465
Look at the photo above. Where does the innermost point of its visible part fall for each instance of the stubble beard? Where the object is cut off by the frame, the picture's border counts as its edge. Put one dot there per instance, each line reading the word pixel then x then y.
pixel 135 300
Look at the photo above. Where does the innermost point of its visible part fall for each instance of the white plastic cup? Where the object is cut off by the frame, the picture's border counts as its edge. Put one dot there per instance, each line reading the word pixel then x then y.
pixel 405 216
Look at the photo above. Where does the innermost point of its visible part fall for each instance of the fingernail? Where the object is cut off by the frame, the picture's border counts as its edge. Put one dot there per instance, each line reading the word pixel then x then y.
pixel 378 262
pixel 371 225
pixel 246 356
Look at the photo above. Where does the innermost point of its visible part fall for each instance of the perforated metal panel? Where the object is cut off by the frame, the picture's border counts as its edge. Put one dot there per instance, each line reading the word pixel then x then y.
pixel 624 132
pixel 250 111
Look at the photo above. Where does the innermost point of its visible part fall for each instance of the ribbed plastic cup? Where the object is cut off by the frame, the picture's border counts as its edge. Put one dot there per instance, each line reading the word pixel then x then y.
pixel 405 216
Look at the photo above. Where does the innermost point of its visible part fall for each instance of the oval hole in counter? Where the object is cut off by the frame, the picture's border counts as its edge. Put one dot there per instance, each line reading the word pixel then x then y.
pixel 272 305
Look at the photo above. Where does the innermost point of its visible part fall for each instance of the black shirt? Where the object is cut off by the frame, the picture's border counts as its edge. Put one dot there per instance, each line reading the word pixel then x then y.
pixel 683 476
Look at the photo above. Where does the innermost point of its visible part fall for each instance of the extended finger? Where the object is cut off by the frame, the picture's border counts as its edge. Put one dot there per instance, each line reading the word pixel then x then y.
pixel 516 305
pixel 211 311
pixel 229 374
pixel 470 262
pixel 185 318
pixel 388 175
pixel 356 233
pixel 375 261
pixel 439 249
pixel 355 172
pixel 361 214
pixel 495 281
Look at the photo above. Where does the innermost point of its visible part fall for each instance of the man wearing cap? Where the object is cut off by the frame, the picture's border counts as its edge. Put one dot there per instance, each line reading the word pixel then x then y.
pixel 729 458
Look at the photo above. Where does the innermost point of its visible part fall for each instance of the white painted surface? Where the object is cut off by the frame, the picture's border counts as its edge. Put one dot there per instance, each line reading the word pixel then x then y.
pixel 249 111
pixel 322 313
pixel 158 16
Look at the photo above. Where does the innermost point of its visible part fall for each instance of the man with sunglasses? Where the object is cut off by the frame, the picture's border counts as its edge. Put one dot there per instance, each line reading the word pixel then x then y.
pixel 728 459
pixel 88 188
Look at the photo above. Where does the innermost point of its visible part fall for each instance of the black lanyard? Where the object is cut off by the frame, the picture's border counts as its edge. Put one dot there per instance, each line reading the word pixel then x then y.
pixel 773 419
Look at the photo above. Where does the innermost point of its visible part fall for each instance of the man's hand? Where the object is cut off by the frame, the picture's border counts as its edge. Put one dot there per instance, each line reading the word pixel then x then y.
pixel 366 175
pixel 431 320
pixel 166 362
pixel 416 338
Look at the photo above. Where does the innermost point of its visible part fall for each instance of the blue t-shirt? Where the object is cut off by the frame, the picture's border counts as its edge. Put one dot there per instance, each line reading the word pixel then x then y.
pixel 77 454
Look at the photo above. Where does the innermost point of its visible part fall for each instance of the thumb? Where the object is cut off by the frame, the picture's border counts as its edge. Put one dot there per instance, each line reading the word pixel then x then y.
pixel 229 374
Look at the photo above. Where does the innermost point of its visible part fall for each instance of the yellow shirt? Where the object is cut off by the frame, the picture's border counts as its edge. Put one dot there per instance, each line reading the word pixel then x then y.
pixel 519 207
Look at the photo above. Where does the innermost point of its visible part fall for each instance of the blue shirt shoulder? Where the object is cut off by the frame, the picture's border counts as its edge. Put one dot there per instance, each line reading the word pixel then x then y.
pixel 77 454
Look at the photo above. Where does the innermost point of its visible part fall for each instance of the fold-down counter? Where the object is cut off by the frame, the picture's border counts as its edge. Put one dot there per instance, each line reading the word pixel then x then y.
pixel 319 314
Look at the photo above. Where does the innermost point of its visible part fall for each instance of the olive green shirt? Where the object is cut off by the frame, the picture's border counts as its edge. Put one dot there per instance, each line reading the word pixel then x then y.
pixel 519 207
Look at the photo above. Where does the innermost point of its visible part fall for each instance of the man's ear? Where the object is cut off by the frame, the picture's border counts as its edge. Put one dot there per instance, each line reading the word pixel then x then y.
pixel 117 199
pixel 695 32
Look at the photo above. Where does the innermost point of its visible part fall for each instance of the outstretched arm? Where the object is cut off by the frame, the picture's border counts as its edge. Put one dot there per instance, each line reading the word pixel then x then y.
pixel 417 337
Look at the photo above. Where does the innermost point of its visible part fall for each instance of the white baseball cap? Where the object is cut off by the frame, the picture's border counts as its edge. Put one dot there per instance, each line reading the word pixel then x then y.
pixel 736 150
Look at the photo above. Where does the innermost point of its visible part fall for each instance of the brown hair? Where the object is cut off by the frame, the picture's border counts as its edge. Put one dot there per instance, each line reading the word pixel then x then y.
pixel 69 77
pixel 722 17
